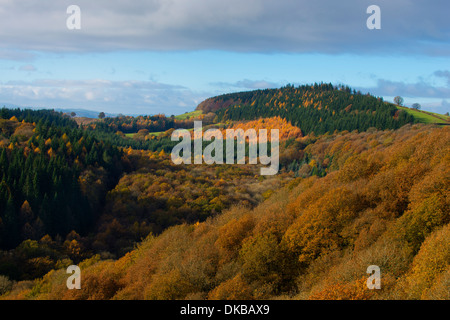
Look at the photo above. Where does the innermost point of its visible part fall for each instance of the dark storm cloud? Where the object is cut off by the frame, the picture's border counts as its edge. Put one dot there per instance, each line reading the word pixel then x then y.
pixel 417 27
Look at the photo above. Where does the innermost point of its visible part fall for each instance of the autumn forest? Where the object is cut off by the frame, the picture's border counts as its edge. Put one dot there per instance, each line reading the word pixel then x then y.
pixel 361 182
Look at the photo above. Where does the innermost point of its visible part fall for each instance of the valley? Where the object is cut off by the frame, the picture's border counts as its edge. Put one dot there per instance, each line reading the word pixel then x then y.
pixel 360 182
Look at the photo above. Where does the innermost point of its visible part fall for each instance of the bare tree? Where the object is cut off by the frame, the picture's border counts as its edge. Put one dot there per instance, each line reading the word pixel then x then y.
pixel 398 100
pixel 416 106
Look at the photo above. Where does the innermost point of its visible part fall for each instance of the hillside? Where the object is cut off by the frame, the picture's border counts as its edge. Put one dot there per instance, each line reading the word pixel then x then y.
pixel 187 115
pixel 360 182
pixel 68 193
pixel 427 117
pixel 383 202
pixel 318 108
pixel 43 160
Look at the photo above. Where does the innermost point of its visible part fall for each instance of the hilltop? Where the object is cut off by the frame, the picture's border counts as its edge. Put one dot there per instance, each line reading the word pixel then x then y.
pixel 318 108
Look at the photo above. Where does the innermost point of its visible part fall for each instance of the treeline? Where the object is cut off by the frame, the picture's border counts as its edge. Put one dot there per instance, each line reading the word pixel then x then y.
pixel 115 130
pixel 318 108
pixel 129 124
pixel 152 123
pixel 120 140
pixel 49 118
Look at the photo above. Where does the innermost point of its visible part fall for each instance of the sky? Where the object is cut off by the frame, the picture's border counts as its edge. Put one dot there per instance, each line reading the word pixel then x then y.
pixel 166 56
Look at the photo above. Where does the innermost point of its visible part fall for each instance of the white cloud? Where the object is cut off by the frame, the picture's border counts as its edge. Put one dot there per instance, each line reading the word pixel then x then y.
pixel 431 97
pixel 441 107
pixel 247 84
pixel 28 68
pixel 419 89
pixel 101 95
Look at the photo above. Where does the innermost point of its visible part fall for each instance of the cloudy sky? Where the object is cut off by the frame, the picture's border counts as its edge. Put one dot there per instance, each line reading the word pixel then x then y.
pixel 166 56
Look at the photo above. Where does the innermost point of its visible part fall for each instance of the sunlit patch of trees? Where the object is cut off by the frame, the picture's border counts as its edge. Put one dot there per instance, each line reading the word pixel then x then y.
pixel 159 194
pixel 286 130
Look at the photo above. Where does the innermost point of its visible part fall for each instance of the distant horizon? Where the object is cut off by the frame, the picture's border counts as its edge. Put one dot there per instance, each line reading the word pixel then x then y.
pixel 114 114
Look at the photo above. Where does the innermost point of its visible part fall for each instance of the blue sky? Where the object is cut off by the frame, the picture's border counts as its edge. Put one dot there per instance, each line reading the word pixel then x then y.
pixel 165 56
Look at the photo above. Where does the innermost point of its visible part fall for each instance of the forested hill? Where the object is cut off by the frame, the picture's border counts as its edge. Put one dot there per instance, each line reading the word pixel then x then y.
pixel 317 108
pixel 47 164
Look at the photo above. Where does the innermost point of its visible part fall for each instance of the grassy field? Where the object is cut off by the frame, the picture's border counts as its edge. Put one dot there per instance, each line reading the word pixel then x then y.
pixel 131 135
pixel 187 115
pixel 426 116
